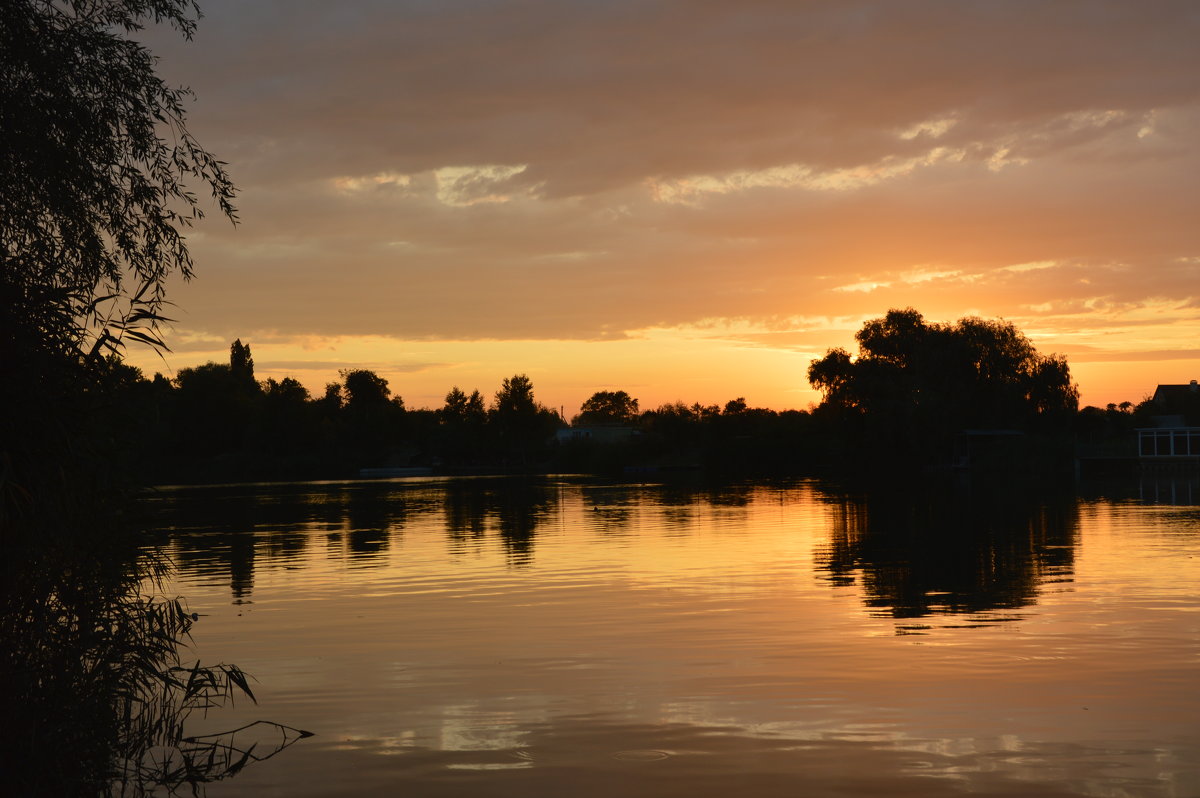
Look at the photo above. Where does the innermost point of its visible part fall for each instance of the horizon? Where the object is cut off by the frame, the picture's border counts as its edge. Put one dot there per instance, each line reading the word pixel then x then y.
pixel 316 389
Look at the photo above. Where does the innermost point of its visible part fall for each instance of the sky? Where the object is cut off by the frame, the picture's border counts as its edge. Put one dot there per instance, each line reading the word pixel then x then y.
pixel 688 200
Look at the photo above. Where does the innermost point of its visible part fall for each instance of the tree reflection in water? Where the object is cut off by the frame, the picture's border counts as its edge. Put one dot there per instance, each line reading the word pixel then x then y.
pixel 952 551
pixel 914 553
pixel 248 528
pixel 519 512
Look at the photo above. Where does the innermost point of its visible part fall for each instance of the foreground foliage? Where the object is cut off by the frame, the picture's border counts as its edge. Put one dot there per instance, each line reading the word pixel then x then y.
pixel 94 199
pixel 97 152
pixel 97 691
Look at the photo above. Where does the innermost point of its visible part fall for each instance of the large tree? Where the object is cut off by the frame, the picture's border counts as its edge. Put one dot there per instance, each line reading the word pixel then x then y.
pixel 915 384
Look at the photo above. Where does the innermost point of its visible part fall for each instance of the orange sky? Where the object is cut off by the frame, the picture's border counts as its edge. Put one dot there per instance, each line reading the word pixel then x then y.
pixel 689 200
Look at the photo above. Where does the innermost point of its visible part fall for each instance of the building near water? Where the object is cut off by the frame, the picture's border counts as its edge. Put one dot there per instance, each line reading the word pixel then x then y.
pixel 1175 436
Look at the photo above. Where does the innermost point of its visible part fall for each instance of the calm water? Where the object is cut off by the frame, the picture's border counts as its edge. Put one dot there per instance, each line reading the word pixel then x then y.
pixel 565 637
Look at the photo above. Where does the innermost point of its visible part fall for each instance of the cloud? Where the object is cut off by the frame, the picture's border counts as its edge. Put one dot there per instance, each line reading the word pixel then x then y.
pixel 378 181
pixel 547 171
pixel 688 190
pixel 933 128
pixel 1032 266
pixel 865 287
pixel 461 186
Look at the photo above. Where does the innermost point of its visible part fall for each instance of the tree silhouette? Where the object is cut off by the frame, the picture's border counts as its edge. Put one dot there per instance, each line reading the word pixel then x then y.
pixel 608 407
pixel 914 385
pixel 521 425
pixel 241 366
pixel 460 408
pixel 735 406
pixel 373 421
pixel 288 418
pixel 515 397
pixel 364 388
pixel 461 420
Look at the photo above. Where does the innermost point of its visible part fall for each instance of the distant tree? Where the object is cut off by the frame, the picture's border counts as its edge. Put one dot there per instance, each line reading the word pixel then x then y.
pixel 673 428
pixel 515 397
pixel 735 406
pixel 455 404
pixel 521 426
pixel 286 390
pixel 332 400
pixel 212 411
pixel 462 421
pixel 241 365
pixel 374 420
pixel 288 418
pixel 914 384
pixel 217 407
pixel 475 408
pixel 833 376
pixel 608 407
pixel 364 388
pixel 460 408
pixel 677 410
pixel 1109 430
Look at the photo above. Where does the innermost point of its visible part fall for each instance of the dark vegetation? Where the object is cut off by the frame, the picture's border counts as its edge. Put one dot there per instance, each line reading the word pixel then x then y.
pixel 920 392
pixel 215 422
pixel 95 158
pixel 918 397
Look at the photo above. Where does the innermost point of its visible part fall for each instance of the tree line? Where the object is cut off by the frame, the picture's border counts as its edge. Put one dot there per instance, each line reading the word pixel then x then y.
pixel 217 421
pixel 913 396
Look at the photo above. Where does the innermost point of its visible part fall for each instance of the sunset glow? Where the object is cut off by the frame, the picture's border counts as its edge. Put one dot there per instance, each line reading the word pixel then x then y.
pixel 689 201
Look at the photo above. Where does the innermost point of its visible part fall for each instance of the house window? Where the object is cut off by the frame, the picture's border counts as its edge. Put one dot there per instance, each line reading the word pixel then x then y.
pixel 1169 443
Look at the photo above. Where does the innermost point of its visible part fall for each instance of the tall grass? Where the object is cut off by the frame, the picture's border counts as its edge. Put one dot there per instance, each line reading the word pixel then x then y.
pixel 97 688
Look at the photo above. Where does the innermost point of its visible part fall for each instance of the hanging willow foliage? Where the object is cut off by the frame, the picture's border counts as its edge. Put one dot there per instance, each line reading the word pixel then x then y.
pixel 95 171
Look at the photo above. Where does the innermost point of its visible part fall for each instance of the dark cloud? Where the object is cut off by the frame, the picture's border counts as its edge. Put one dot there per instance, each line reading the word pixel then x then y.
pixel 596 96
pixel 563 170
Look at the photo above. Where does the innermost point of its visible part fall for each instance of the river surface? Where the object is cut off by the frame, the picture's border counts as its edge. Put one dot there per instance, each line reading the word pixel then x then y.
pixel 567 637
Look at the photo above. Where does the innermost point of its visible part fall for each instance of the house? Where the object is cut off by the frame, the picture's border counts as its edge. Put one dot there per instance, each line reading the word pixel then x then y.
pixel 1173 438
pixel 1175 397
